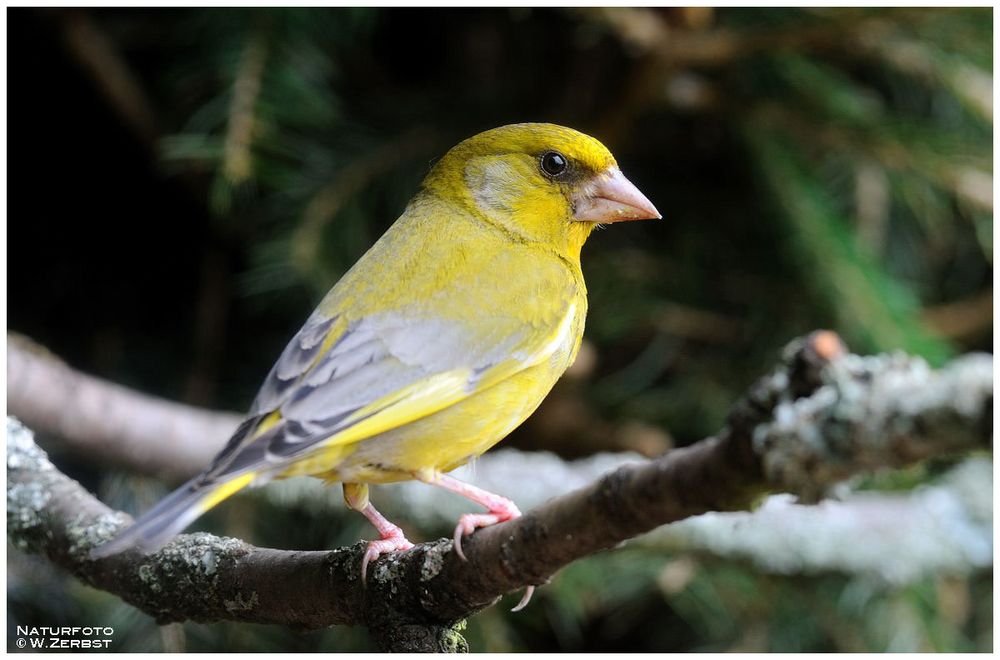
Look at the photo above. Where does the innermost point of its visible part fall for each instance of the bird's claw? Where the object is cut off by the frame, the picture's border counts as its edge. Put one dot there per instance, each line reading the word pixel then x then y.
pixel 392 543
pixel 525 599
pixel 470 522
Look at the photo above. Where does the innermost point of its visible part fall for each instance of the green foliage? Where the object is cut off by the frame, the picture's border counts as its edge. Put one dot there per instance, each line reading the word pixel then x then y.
pixel 874 311
pixel 815 167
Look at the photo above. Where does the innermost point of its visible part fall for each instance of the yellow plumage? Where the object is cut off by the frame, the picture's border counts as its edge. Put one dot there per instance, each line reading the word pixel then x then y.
pixel 443 338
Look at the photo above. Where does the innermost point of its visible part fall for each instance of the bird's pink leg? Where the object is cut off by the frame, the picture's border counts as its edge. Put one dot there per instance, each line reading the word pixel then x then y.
pixel 392 538
pixel 500 509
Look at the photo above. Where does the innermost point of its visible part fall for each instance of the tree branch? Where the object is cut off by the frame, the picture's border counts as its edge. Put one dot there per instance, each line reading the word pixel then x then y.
pixel 945 525
pixel 145 433
pixel 893 539
pixel 820 417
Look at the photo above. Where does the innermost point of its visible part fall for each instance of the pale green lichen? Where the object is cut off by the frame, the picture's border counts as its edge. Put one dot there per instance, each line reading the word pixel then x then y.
pixel 388 569
pixel 242 603
pixel 340 560
pixel 209 562
pixel 871 412
pixel 422 638
pixel 22 452
pixel 433 562
pixel 451 639
pixel 898 538
pixel 25 503
pixel 147 575
pixel 26 499
pixel 188 568
pixel 85 533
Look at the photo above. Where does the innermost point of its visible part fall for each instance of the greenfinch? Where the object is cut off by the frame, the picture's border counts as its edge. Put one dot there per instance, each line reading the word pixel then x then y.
pixel 437 343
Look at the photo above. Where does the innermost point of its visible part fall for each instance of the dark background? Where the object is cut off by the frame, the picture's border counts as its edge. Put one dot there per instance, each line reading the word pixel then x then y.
pixel 817 168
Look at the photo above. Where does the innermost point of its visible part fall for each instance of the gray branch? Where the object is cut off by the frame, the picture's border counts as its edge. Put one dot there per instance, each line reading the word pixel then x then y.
pixel 820 417
pixel 891 538
pixel 894 538
pixel 124 427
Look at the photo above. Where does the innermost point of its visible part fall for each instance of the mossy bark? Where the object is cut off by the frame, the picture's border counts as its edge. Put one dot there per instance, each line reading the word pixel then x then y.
pixel 819 417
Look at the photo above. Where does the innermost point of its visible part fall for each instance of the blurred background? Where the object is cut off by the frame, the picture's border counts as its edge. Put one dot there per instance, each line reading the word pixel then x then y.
pixel 184 184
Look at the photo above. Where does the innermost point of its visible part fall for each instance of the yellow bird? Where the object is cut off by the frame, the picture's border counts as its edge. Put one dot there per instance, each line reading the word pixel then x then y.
pixel 440 341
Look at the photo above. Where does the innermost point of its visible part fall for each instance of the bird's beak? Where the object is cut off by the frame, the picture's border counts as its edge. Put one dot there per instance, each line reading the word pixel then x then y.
pixel 610 197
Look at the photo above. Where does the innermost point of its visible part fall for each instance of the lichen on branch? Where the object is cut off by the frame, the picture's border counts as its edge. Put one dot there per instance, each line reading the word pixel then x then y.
pixel 821 416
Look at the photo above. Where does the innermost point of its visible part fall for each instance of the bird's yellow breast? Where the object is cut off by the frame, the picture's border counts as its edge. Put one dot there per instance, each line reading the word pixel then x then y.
pixel 451 437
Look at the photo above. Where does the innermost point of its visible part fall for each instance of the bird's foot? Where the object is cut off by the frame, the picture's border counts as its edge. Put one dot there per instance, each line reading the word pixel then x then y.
pixel 501 510
pixel 393 541
pixel 392 538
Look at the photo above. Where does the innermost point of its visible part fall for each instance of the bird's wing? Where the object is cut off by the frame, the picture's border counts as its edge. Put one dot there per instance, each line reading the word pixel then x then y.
pixel 337 383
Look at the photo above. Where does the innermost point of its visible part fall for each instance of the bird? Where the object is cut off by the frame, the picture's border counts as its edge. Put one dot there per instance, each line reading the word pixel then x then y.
pixel 442 339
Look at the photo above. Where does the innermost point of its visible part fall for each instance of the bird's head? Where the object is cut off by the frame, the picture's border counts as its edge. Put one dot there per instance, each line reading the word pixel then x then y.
pixel 543 182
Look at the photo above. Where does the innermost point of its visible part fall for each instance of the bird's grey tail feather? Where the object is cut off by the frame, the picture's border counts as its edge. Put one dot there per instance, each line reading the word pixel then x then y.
pixel 153 529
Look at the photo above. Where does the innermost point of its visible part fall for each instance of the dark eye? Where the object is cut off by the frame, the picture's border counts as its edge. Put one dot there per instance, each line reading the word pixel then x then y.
pixel 553 163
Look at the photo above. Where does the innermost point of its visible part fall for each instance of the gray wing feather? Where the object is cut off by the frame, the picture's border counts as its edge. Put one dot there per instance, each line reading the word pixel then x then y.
pixel 374 358
pixel 341 362
pixel 295 360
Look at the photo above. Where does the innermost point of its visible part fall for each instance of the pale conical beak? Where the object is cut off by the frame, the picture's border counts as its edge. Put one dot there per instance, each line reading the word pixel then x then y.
pixel 610 197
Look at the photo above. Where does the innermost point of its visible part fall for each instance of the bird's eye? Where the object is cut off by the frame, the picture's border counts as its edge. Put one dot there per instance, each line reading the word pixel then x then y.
pixel 554 163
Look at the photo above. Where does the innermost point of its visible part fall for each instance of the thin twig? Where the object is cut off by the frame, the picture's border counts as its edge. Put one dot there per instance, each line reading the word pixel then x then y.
pixel 100 57
pixel 968 318
pixel 237 160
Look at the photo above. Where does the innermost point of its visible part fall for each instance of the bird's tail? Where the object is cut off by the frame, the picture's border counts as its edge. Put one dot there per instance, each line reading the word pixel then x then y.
pixel 170 516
